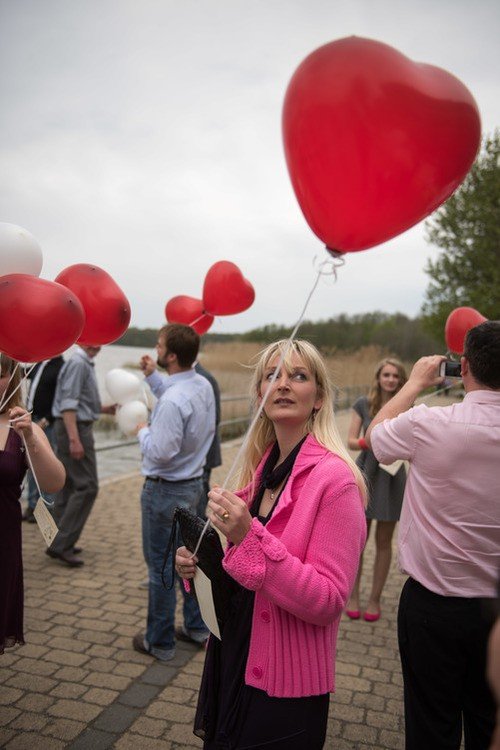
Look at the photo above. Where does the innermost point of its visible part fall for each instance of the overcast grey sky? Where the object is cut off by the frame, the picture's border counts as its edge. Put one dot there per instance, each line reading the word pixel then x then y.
pixel 145 136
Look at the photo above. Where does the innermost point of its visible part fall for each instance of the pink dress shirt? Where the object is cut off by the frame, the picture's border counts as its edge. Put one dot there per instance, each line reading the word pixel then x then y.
pixel 449 533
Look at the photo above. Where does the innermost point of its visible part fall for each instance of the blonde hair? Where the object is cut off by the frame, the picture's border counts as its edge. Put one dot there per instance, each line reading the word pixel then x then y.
pixel 8 369
pixel 322 425
pixel 375 393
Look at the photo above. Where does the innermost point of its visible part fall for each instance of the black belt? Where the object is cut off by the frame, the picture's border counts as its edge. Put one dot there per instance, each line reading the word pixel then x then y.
pixel 172 481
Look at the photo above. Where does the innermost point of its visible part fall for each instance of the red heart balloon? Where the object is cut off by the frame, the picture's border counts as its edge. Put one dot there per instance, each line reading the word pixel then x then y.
pixel 39 319
pixel 458 323
pixel 107 310
pixel 226 291
pixel 374 142
pixel 190 312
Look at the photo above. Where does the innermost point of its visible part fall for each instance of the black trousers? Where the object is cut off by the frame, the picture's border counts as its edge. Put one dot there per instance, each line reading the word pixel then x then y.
pixel 442 644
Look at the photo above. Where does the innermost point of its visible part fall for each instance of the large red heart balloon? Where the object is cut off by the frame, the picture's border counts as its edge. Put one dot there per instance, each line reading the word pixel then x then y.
pixel 458 323
pixel 188 310
pixel 39 319
pixel 107 310
pixel 374 142
pixel 226 291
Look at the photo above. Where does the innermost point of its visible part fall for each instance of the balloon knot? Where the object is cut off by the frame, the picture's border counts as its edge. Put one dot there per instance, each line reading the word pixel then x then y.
pixel 336 254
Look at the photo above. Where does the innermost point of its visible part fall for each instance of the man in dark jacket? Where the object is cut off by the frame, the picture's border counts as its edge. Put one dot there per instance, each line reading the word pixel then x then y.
pixel 43 380
pixel 214 453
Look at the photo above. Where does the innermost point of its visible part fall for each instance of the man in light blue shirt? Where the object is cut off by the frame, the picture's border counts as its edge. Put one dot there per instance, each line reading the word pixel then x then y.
pixel 174 447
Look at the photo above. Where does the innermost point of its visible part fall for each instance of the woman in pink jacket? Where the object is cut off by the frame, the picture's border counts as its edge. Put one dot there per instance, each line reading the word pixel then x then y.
pixel 295 535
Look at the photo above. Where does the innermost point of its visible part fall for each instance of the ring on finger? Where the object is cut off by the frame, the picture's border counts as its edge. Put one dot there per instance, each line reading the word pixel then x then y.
pixel 225 515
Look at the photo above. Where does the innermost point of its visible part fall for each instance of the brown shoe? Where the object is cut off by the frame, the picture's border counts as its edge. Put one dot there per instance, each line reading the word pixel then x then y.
pixel 138 644
pixel 66 557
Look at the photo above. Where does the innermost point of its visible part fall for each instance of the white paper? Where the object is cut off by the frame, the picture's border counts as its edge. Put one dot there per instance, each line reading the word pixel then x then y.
pixel 393 468
pixel 203 588
pixel 45 522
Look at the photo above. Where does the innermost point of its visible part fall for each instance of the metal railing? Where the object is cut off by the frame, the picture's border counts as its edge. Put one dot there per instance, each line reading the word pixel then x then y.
pixel 343 398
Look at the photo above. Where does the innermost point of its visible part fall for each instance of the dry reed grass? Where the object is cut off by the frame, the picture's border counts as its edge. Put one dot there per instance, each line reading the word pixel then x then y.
pixel 350 373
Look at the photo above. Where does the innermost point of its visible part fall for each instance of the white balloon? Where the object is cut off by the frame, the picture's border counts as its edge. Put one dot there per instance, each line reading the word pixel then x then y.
pixel 123 386
pixel 19 251
pixel 130 415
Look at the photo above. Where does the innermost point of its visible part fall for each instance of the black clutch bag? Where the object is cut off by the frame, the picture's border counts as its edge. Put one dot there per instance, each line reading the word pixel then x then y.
pixel 210 553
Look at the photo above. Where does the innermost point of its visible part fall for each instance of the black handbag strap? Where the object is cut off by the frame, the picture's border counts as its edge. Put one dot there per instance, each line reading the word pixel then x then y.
pixel 171 545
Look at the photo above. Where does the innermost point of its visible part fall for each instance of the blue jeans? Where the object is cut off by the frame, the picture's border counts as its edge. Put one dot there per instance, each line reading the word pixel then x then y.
pixel 33 493
pixel 158 502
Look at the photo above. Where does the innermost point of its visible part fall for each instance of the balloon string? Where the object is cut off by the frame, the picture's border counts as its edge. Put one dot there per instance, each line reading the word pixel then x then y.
pixel 196 320
pixel 48 503
pixel 3 401
pixel 4 398
pixel 321 271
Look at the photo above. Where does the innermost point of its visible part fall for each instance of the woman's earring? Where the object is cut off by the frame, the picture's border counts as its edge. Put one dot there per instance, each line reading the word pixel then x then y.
pixel 313 414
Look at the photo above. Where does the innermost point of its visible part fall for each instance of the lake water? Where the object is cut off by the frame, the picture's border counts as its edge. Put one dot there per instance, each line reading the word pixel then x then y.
pixel 125 459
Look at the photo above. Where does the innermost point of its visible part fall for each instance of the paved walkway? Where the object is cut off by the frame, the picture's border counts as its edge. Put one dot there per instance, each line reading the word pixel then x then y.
pixel 78 684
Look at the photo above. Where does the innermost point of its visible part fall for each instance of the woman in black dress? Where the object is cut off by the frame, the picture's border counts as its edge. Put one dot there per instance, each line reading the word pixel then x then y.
pixel 295 534
pixel 17 434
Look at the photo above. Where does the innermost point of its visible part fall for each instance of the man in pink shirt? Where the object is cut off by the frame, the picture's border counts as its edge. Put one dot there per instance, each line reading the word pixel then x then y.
pixel 449 544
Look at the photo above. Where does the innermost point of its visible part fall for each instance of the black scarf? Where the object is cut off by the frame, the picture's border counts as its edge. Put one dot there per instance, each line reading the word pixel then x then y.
pixel 272 475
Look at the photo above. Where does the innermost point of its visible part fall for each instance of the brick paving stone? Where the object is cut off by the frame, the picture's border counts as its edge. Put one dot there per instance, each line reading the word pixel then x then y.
pixel 383 720
pixel 90 612
pixel 62 631
pixel 104 652
pixel 66 658
pixel 68 690
pixel 172 712
pixel 129 670
pixel 367 700
pixel 71 674
pixel 136 741
pixel 32 666
pixel 348 713
pixel 100 679
pixel 37 702
pixel 392 740
pixel 88 623
pixel 25 741
pixel 159 674
pixel 361 733
pixel 139 695
pixel 63 729
pixel 67 644
pixel 93 636
pixel 177 694
pixel 74 709
pixel 103 665
pixel 34 683
pixel 39 638
pixel 92 739
pixel 29 722
pixel 117 718
pixel 64 620
pixel 101 696
pixel 148 727
pixel 182 733
pixel 125 630
pixel 5 736
pixel 8 714
pixel 9 695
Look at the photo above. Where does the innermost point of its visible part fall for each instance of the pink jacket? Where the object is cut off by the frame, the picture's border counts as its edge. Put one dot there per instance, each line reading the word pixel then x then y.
pixel 302 567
